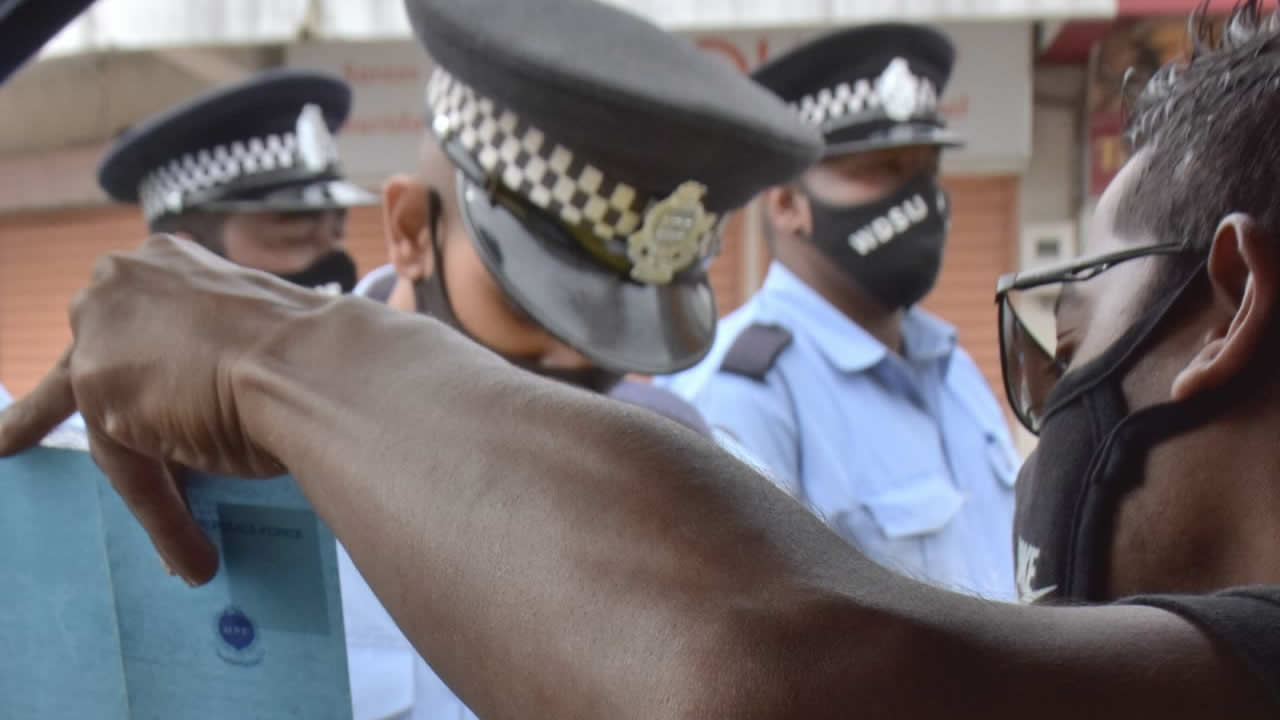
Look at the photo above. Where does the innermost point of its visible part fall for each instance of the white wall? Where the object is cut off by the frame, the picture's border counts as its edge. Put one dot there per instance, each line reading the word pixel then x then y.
pixel 1051 186
pixel 149 24
pixel 58 116
pixel 691 14
pixel 90 98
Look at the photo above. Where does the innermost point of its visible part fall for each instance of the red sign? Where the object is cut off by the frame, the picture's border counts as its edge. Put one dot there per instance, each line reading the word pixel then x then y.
pixel 1108 149
pixel 1143 46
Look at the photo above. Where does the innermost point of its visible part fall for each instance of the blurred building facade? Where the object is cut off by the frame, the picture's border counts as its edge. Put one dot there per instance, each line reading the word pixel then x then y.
pixel 1021 95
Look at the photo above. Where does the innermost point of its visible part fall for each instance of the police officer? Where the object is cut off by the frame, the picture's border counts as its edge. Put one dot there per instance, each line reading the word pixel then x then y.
pixel 567 200
pixel 556 556
pixel 380 284
pixel 250 171
pixel 859 402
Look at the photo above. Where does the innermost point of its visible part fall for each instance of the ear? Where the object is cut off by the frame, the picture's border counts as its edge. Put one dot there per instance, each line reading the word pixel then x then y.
pixel 787 208
pixel 1244 276
pixel 406 224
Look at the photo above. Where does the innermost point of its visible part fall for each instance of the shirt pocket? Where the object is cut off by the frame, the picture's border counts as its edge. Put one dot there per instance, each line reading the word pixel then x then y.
pixel 921 506
pixel 893 525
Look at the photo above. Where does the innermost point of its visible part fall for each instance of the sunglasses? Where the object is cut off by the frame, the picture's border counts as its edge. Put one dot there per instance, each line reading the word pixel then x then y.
pixel 1028 305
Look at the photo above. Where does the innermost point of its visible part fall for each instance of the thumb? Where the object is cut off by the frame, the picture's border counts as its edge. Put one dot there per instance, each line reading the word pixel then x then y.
pixel 27 421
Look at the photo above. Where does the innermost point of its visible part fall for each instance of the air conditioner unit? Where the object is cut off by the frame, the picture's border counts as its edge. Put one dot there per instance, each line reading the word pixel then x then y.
pixel 1046 244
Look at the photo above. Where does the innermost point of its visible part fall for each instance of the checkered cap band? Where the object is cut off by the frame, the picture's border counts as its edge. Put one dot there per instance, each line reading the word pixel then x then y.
pixel 860 101
pixel 164 189
pixel 546 173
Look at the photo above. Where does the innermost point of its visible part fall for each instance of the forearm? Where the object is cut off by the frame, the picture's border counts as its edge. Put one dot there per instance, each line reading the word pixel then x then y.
pixel 590 578
pixel 637 572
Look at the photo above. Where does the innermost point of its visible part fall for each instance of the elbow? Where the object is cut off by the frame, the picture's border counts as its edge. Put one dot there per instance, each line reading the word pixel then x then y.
pixel 824 659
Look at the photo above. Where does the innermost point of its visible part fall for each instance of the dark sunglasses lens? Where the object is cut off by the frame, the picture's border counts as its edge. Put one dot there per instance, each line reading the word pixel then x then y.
pixel 1030 371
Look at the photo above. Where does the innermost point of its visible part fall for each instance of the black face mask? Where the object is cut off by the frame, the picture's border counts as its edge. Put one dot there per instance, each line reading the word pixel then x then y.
pixel 893 247
pixel 1092 451
pixel 333 274
pixel 431 297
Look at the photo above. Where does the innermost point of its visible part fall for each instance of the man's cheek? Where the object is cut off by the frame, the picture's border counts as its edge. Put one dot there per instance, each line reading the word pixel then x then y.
pixel 1106 312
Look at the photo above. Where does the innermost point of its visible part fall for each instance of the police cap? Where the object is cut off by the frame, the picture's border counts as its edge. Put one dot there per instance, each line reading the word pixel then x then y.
pixel 597 157
pixel 264 144
pixel 868 87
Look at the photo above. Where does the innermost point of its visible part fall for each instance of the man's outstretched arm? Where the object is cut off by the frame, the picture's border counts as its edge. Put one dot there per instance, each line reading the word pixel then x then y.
pixel 553 554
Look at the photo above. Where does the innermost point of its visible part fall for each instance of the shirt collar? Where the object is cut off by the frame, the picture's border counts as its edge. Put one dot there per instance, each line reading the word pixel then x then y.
pixel 847 346
pixel 927 337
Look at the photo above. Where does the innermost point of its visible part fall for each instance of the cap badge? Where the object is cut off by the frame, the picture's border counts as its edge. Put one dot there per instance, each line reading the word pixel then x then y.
pixel 899 90
pixel 672 235
pixel 315 144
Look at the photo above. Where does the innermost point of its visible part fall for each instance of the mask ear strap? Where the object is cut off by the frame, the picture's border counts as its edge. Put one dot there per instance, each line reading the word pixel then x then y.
pixel 435 209
pixel 1124 350
pixel 1118 467
pixel 444 311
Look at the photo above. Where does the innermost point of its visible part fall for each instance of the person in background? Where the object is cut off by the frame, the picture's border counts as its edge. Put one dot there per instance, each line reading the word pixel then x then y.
pixel 250 171
pixel 379 284
pixel 537 227
pixel 861 404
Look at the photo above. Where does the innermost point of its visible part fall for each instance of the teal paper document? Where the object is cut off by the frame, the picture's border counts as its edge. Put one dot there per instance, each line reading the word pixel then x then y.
pixel 91 625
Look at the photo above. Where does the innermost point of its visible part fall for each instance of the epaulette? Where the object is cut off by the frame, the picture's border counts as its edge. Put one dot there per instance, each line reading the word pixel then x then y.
pixel 755 351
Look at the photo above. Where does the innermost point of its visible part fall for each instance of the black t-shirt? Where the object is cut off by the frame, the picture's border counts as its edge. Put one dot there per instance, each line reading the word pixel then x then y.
pixel 1245 620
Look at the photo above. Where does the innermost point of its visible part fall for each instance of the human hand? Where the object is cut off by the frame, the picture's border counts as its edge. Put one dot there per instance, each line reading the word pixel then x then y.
pixel 157 339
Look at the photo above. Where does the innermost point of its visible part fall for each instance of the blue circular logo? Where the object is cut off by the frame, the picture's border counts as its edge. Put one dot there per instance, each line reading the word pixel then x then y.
pixel 236 629
pixel 238 640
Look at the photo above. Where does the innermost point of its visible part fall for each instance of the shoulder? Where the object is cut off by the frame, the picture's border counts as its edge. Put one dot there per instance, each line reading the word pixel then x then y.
pixel 744 391
pixel 755 350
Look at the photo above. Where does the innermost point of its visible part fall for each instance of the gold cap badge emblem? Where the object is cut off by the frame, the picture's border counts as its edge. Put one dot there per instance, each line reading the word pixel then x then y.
pixel 672 236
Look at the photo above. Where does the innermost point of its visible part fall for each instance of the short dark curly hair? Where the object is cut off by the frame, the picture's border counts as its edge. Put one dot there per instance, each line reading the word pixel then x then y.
pixel 1208 127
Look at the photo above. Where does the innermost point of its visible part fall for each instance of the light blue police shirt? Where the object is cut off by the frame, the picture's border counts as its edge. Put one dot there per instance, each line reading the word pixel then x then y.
pixel 910 459
pixel 5 397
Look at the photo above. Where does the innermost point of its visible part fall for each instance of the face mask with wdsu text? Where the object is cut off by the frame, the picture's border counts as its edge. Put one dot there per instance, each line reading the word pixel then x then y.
pixel 891 248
